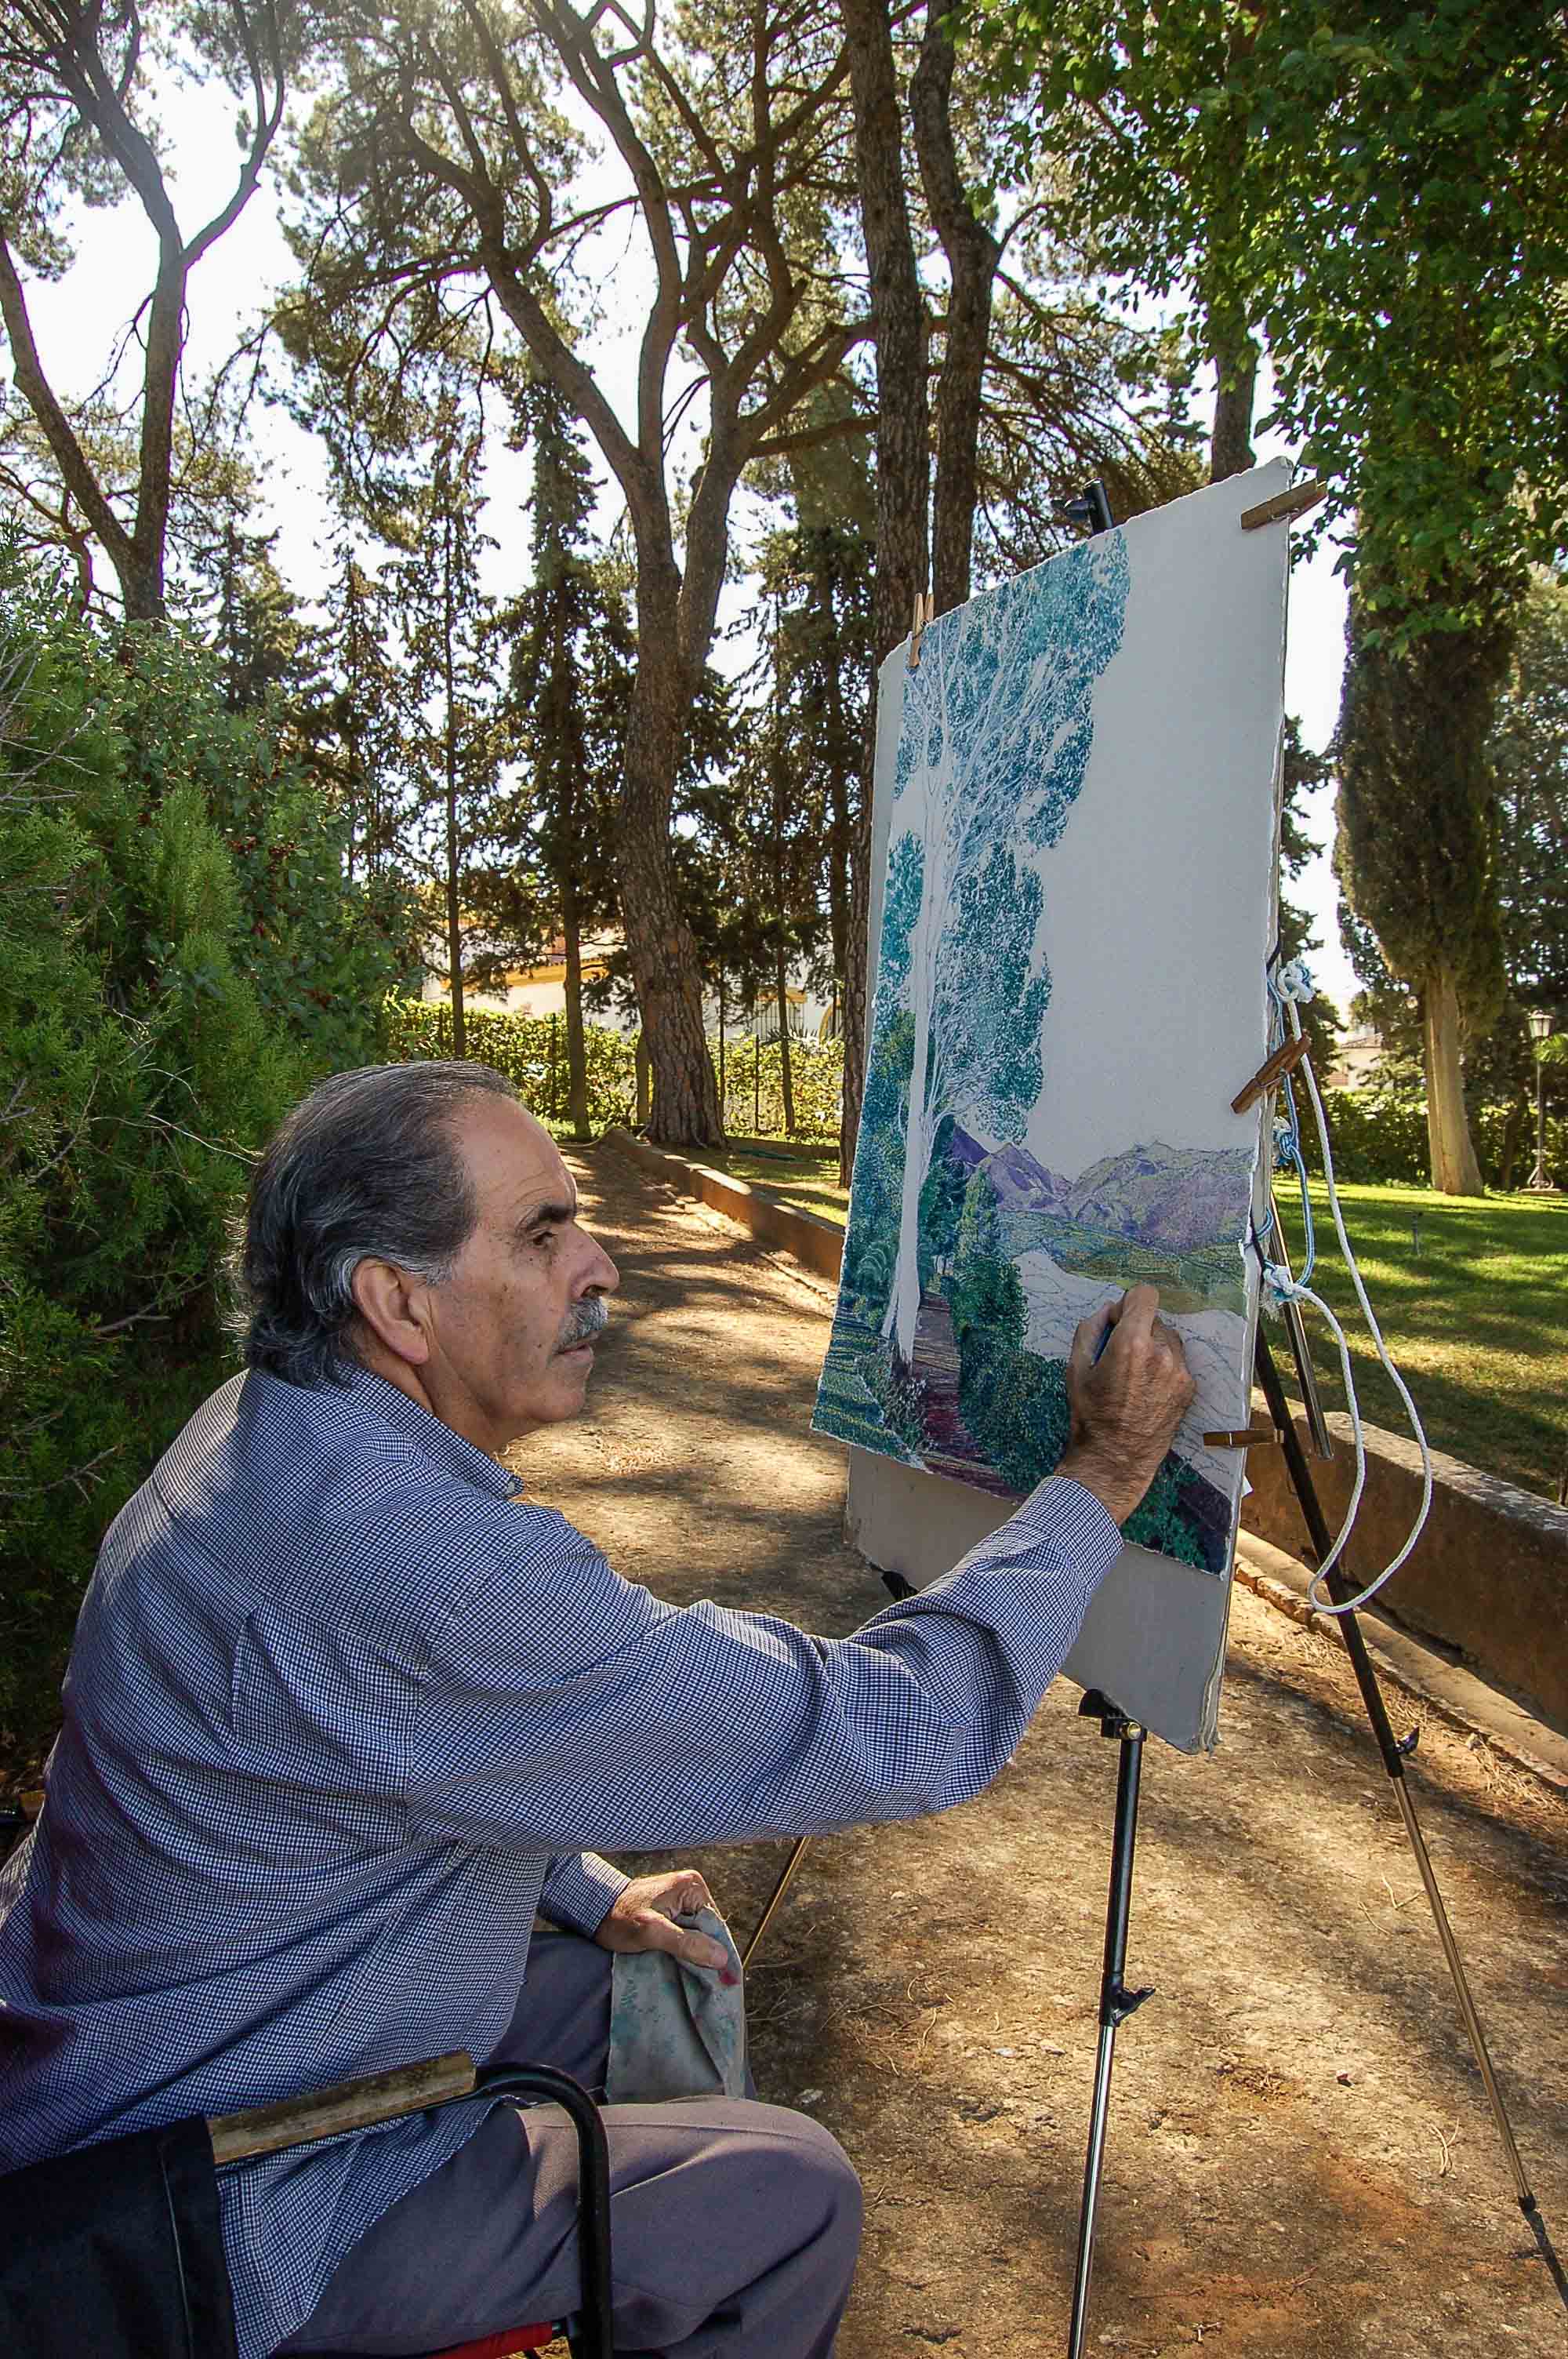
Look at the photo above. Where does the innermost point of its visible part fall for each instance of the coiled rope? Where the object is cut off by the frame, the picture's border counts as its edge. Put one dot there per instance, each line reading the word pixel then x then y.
pixel 1291 990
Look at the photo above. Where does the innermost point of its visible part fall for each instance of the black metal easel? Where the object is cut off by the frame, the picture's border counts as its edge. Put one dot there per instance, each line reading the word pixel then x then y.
pixel 1091 510
pixel 1115 2001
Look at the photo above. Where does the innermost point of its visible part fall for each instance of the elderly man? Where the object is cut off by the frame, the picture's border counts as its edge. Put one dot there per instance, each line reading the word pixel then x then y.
pixel 345 1710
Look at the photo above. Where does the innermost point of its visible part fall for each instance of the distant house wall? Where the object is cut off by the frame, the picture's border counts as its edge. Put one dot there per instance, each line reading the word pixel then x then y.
pixel 537 990
pixel 1355 1059
pixel 541 990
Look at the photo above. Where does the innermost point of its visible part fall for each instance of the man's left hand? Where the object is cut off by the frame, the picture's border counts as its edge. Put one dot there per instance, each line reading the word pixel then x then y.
pixel 641 1919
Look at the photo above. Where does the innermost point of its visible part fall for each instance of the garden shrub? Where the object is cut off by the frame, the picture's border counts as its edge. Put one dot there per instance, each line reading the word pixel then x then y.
pixel 531 1050
pixel 1380 1135
pixel 753 1087
pixel 151 1037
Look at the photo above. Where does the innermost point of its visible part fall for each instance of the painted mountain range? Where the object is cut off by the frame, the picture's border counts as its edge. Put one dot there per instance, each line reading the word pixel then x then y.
pixel 1175 1199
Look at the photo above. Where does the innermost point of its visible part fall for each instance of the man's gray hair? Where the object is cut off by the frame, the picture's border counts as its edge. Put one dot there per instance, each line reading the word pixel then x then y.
pixel 365 1168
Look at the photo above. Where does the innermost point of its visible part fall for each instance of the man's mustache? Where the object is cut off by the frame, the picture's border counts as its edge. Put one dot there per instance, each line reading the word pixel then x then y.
pixel 590 1318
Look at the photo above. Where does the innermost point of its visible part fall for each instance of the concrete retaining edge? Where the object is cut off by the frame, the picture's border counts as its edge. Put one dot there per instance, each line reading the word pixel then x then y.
pixel 1511 1624
pixel 816 1243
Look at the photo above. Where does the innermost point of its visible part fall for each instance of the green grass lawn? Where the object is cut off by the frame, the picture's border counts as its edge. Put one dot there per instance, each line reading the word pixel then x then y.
pixel 1471 1293
pixel 1471 1296
pixel 807 1176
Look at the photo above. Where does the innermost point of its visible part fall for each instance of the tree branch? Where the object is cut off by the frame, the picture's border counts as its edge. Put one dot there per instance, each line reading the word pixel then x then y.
pixel 69 456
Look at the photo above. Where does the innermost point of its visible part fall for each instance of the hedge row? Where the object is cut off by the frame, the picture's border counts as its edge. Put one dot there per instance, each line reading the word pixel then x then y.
pixel 753 1087
pixel 1376 1136
pixel 531 1050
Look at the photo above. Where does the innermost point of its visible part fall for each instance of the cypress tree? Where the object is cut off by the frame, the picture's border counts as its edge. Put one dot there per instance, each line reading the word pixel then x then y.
pixel 1414 849
pixel 572 660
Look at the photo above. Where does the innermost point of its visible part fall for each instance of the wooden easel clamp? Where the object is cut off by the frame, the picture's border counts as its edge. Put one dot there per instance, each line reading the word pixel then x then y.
pixel 1285 1059
pixel 1295 501
pixel 925 608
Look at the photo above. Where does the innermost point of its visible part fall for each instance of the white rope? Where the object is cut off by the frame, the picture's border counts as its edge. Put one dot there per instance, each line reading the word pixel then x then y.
pixel 1292 987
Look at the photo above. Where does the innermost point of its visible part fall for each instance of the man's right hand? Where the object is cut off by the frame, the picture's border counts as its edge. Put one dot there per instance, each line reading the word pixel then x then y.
pixel 1127 1402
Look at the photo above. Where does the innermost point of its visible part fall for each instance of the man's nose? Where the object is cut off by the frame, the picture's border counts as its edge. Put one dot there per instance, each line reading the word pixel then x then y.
pixel 603 1277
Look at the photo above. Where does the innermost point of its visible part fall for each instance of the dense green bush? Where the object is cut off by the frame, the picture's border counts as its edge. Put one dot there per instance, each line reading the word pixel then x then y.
pixel 150 1036
pixel 1379 1134
pixel 531 1050
pixel 753 1087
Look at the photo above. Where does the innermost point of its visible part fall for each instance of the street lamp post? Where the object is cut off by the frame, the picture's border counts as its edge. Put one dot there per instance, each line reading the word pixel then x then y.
pixel 1539 1030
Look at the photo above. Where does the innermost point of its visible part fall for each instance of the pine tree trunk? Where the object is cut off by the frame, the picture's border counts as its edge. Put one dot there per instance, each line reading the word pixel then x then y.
pixel 973 258
pixel 904 462
pixel 684 1109
pixel 786 1076
pixel 1455 1171
pixel 644 1078
pixel 449 748
pixel 838 840
pixel 576 1043
pixel 454 932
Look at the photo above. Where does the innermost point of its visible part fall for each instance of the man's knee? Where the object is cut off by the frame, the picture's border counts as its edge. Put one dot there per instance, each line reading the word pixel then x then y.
pixel 824 2181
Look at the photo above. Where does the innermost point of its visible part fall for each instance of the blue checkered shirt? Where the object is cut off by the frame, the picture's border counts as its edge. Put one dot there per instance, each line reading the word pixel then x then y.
pixel 342 1711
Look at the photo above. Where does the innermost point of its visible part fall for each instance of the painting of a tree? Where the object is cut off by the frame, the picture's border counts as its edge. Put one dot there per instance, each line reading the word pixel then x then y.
pixel 1078 786
pixel 998 726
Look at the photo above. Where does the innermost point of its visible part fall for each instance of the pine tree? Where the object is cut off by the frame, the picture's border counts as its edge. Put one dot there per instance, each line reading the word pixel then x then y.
pixel 251 618
pixel 352 720
pixel 572 656
pixel 457 739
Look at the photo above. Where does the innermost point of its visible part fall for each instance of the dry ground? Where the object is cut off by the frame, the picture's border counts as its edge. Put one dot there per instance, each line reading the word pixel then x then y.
pixel 1300 2157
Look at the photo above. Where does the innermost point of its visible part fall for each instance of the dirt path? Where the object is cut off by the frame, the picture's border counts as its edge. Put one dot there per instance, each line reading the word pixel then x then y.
pixel 1300 2159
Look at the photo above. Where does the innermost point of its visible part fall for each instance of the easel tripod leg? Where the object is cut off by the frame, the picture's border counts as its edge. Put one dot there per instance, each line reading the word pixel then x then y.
pixel 1115 2001
pixel 1393 1762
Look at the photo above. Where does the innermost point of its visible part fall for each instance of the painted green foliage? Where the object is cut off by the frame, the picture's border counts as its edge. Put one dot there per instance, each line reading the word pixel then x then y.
pixel 992 757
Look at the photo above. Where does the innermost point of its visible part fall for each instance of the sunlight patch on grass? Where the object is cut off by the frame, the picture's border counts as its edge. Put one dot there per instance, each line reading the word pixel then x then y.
pixel 1471 1293
pixel 1471 1296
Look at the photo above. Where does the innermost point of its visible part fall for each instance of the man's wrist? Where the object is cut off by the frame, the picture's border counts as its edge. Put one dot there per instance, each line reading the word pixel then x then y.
pixel 1105 1479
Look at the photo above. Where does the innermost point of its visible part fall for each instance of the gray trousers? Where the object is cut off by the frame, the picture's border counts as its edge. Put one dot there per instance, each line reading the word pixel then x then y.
pixel 734 2226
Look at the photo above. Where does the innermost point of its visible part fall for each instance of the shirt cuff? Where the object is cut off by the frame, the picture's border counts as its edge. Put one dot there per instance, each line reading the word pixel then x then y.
pixel 1061 1510
pixel 580 1890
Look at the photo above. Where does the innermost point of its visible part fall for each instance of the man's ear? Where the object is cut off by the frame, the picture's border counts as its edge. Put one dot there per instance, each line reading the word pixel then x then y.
pixel 394 1308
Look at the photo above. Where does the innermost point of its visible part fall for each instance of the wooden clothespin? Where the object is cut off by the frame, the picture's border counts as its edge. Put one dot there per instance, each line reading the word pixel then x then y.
pixel 1285 1059
pixel 1295 501
pixel 923 611
pixel 1245 1436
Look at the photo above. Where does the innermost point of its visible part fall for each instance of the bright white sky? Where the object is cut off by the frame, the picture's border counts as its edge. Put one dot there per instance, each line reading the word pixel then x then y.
pixel 77 320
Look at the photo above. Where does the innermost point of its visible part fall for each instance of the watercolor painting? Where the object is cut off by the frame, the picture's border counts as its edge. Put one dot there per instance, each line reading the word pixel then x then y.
pixel 1059 930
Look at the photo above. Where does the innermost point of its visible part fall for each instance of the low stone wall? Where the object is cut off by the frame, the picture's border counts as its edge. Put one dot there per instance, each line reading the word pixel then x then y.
pixel 819 1243
pixel 1489 1575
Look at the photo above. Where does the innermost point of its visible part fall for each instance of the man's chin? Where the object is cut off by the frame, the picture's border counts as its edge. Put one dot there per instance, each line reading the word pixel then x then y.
pixel 571 1371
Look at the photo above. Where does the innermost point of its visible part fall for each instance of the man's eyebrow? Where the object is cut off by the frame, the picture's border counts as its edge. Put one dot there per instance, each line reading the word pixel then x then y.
pixel 548 1215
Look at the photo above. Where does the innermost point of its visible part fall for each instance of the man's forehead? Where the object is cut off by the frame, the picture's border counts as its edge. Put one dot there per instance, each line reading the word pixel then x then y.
pixel 515 1162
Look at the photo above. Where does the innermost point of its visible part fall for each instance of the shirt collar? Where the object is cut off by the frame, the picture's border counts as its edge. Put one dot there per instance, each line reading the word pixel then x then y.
pixel 371 1397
